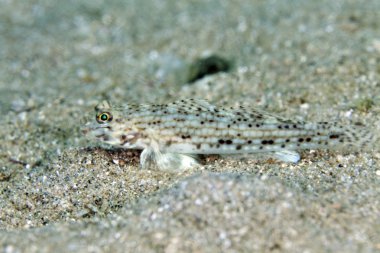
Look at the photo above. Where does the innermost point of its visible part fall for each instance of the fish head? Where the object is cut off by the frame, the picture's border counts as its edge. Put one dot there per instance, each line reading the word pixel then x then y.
pixel 111 127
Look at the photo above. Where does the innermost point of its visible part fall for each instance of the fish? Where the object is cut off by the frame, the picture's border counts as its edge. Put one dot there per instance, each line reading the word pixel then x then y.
pixel 172 135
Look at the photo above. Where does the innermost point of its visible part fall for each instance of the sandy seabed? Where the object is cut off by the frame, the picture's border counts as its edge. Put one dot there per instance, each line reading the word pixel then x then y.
pixel 306 60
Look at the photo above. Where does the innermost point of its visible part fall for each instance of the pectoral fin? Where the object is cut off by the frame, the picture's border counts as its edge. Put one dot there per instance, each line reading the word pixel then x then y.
pixel 289 156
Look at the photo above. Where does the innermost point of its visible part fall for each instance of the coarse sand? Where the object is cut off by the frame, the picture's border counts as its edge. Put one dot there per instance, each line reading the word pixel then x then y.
pixel 305 60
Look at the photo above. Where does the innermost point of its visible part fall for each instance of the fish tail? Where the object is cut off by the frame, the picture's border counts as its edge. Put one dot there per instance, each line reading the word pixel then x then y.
pixel 355 137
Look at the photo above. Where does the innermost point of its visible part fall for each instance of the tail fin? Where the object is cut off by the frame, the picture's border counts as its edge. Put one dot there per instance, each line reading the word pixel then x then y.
pixel 356 137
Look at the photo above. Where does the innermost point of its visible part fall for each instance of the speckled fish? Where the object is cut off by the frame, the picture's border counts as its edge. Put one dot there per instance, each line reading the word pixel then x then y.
pixel 171 134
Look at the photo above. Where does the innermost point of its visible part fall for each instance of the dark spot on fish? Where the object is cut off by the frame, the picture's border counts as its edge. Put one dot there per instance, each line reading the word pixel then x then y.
pixel 228 141
pixel 238 147
pixel 221 141
pixel 334 136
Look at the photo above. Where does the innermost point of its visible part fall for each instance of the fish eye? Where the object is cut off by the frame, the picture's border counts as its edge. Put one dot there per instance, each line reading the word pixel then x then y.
pixel 103 117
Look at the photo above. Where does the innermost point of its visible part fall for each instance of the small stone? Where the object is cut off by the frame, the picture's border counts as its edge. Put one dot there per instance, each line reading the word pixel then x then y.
pixel 208 66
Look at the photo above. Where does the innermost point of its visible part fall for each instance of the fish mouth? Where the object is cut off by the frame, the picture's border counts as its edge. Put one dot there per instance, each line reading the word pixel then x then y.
pixel 98 132
pixel 124 138
pixel 105 133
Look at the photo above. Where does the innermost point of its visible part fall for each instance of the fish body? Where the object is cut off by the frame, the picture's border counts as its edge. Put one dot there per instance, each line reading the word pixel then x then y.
pixel 169 134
